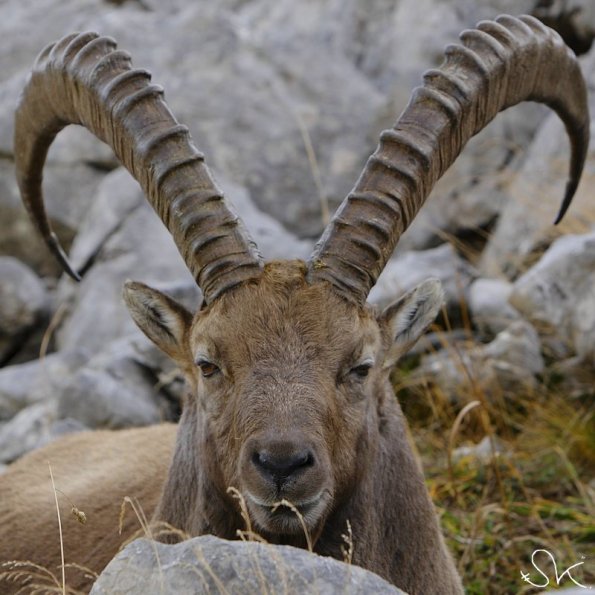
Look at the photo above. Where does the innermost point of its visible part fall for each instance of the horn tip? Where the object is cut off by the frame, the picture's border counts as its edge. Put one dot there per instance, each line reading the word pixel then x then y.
pixel 58 252
pixel 568 196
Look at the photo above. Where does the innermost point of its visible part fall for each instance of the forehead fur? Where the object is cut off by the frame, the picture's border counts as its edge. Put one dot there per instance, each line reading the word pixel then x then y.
pixel 281 312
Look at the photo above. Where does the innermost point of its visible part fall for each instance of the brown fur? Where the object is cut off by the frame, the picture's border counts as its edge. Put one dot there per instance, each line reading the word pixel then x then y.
pixel 286 352
pixel 95 470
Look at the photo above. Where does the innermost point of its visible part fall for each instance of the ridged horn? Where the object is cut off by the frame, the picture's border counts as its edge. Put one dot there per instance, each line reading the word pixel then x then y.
pixel 83 79
pixel 499 64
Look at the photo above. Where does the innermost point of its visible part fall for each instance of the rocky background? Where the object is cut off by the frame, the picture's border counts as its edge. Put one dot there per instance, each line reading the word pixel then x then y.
pixel 287 101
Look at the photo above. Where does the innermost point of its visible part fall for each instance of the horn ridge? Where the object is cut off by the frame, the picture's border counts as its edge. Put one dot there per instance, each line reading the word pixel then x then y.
pixel 84 79
pixel 497 65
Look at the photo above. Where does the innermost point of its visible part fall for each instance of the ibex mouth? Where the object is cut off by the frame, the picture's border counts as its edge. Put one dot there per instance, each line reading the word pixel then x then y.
pixel 285 516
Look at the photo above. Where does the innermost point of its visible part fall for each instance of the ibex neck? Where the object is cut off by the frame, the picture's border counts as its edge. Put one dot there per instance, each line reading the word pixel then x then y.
pixel 394 525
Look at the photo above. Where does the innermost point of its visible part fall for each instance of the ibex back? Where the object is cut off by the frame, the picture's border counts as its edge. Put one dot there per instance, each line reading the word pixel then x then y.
pixel 287 366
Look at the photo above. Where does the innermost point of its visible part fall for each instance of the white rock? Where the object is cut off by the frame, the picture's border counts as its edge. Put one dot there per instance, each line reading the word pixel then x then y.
pixel 273 240
pixel 405 271
pixel 488 301
pixel 507 365
pixel 558 294
pixel 37 381
pixel 118 387
pixel 517 345
pixel 484 451
pixel 140 249
pixel 574 377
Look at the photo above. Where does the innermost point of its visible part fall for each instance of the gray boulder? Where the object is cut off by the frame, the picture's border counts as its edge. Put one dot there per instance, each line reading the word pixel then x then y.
pixel 124 385
pixel 558 296
pixel 33 427
pixel 38 381
pixel 212 60
pixel 25 430
pixel 117 197
pixel 273 240
pixel 519 346
pixel 68 189
pixel 370 35
pixel 23 300
pixel 574 377
pixel 208 564
pixel 121 238
pixel 268 90
pixel 140 248
pixel 507 365
pixel 475 189
pixel 488 302
pixel 405 271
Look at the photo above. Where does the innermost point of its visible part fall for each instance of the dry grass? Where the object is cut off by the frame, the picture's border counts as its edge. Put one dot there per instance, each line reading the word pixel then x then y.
pixel 539 495
pixel 313 164
pixel 62 566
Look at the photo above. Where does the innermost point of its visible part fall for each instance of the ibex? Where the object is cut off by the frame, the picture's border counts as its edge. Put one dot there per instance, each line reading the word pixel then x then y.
pixel 287 365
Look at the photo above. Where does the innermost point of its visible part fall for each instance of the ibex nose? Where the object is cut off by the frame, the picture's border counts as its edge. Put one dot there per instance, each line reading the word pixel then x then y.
pixel 280 463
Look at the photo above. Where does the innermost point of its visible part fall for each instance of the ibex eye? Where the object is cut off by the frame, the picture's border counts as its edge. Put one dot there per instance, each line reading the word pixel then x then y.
pixel 362 370
pixel 207 368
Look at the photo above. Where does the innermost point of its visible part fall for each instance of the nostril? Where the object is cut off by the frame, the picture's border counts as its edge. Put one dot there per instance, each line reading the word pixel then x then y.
pixel 256 461
pixel 282 466
pixel 307 460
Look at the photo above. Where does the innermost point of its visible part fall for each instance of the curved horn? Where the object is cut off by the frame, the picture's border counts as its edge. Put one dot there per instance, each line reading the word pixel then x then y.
pixel 499 64
pixel 83 79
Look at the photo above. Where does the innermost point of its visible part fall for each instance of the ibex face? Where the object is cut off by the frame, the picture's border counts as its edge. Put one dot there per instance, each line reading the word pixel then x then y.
pixel 287 377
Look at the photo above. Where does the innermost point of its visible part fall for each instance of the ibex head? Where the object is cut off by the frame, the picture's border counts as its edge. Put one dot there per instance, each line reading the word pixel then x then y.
pixel 285 377
pixel 287 364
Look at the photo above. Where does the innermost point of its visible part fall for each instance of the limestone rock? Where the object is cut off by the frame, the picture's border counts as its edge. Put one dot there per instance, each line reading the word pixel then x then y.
pixel 476 188
pixel 488 301
pixel 24 431
pixel 119 387
pixel 558 296
pixel 482 452
pixel 405 271
pixel 507 365
pixel 140 249
pixel 37 381
pixel 273 240
pixel 574 377
pixel 32 428
pixel 23 299
pixel 208 564
pixel 297 139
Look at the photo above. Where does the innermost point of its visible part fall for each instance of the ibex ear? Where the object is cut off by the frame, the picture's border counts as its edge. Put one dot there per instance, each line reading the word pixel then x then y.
pixel 160 317
pixel 407 319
